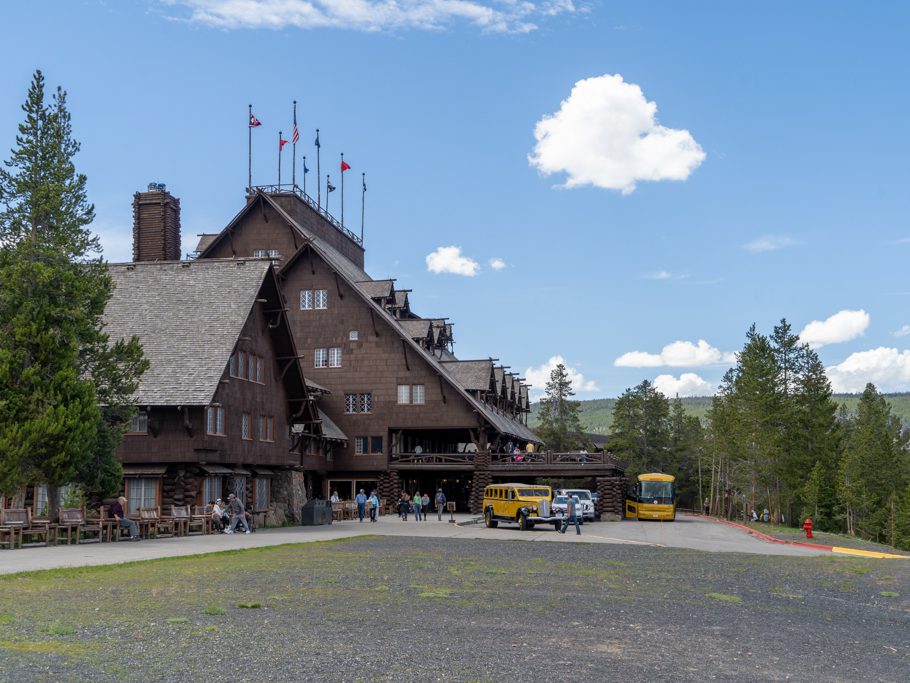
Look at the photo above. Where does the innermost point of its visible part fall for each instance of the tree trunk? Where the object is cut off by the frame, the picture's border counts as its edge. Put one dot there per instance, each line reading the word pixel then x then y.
pixel 53 503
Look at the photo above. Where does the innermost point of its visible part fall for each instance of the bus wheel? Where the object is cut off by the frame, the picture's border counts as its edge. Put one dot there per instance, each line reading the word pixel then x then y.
pixel 488 519
pixel 523 523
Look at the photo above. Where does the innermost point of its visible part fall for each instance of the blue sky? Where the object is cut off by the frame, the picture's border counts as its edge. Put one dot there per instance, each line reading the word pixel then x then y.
pixel 771 182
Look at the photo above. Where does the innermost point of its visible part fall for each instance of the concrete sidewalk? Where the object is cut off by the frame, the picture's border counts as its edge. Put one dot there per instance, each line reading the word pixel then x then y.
pixel 686 532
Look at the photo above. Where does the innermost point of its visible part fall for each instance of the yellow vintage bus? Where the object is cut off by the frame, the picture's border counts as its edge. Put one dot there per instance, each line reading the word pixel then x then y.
pixel 521 504
pixel 653 497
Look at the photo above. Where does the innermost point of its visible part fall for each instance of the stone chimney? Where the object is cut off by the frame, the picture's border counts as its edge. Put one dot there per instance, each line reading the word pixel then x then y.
pixel 156 225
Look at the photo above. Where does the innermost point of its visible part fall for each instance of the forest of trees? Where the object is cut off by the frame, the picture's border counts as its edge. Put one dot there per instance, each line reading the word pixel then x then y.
pixel 775 439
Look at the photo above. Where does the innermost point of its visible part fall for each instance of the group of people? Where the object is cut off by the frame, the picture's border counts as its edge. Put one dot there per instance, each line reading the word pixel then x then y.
pixel 228 516
pixel 419 505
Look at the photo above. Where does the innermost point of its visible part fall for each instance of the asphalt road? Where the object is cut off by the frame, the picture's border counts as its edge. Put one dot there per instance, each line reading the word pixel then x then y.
pixel 693 533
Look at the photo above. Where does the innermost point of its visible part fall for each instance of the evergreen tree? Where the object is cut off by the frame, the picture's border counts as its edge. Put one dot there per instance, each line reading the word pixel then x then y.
pixel 686 445
pixel 560 424
pixel 64 390
pixel 640 432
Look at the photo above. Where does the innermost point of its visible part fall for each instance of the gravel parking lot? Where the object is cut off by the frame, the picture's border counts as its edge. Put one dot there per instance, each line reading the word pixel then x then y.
pixel 424 609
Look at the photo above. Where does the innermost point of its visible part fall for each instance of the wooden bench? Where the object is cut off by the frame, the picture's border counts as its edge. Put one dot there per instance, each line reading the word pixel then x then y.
pixel 9 537
pixel 153 525
pixel 73 521
pixel 203 514
pixel 186 524
pixel 20 519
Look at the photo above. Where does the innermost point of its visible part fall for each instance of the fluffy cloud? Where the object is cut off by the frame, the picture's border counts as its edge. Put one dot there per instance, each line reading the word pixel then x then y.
pixel 450 260
pixel 497 263
pixel 769 243
pixel 840 327
pixel 887 368
pixel 679 354
pixel 373 15
pixel 688 384
pixel 539 376
pixel 606 134
pixel 903 331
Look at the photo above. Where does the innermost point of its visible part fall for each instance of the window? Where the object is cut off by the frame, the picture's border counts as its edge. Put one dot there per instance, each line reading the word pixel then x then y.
pixel 335 357
pixel 246 426
pixel 404 393
pixel 251 375
pixel 139 423
pixel 259 370
pixel 241 364
pixel 322 298
pixel 232 366
pixel 261 494
pixel 214 420
pixel 211 489
pixel 275 255
pixel 141 492
pixel 306 299
pixel 367 445
pixel 352 335
pixel 260 253
pixel 266 428
pixel 320 359
pixel 358 403
pixel 411 393
pixel 417 394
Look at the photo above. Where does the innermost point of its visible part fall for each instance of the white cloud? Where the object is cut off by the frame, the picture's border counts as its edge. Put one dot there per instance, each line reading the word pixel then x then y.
pixel 887 368
pixel 903 331
pixel 539 376
pixel 769 243
pixel 664 275
pixel 450 260
pixel 678 354
pixel 840 327
pixel 688 384
pixel 497 263
pixel 606 134
pixel 508 16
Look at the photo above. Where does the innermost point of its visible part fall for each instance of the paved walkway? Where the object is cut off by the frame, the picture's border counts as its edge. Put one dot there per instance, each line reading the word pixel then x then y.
pixel 685 532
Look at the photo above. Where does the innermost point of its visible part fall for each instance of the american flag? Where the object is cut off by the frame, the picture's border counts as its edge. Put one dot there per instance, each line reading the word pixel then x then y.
pixel 295 136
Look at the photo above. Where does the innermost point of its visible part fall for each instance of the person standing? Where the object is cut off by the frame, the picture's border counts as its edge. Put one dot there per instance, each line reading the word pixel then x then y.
pixel 374 506
pixel 117 512
pixel 361 500
pixel 403 504
pixel 425 505
pixel 571 515
pixel 440 503
pixel 417 502
pixel 238 515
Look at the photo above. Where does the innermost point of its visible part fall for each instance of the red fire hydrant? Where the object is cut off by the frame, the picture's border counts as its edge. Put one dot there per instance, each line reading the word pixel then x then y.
pixel 808 527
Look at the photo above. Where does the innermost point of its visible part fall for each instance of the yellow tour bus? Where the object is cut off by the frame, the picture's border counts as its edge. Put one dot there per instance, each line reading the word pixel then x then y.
pixel 521 504
pixel 653 497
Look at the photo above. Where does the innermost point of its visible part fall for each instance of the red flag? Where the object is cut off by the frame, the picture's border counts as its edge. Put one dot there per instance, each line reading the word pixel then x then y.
pixel 281 144
pixel 254 122
pixel 345 166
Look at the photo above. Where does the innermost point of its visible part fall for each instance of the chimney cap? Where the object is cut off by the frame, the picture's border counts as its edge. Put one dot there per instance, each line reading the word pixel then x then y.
pixel 157 187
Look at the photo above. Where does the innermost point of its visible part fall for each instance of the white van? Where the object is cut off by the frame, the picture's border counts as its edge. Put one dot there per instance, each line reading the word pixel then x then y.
pixel 584 497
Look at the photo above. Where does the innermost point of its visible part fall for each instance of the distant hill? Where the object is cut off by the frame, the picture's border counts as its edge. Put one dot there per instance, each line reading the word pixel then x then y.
pixel 597 414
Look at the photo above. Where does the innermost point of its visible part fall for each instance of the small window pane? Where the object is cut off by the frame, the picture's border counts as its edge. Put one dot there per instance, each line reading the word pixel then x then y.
pixel 322 298
pixel 245 426
pixel 320 359
pixel 259 253
pixel 251 375
pixel 360 445
pixel 417 394
pixel 366 403
pixel 404 393
pixel 259 364
pixel 241 364
pixel 350 403
pixel 141 492
pixel 335 357
pixel 232 366
pixel 306 299
pixel 261 488
pixel 139 424
pixel 211 489
pixel 352 335
pixel 209 420
pixel 375 444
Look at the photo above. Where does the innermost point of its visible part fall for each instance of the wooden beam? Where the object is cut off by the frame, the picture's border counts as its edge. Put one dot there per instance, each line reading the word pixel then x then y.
pixel 442 389
pixel 338 285
pixel 404 350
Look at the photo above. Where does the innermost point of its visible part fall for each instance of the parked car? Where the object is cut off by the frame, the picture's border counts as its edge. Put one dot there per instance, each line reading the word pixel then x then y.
pixel 584 497
pixel 585 509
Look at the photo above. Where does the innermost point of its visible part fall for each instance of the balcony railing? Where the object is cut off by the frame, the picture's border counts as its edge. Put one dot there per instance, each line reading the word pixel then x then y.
pixel 433 458
pixel 505 460
pixel 295 189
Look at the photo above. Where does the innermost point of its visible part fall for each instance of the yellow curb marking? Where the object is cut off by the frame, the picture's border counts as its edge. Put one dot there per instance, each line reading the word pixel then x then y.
pixel 868 553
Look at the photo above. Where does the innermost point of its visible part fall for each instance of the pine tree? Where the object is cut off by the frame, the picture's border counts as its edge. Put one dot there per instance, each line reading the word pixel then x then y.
pixel 640 432
pixel 64 390
pixel 560 425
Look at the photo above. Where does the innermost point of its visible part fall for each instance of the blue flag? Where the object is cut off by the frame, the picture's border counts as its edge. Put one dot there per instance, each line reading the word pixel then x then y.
pixel 317 139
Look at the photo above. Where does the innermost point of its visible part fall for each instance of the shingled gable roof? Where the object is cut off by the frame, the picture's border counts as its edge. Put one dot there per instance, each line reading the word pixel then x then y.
pixel 416 328
pixel 377 289
pixel 188 316
pixel 353 275
pixel 473 375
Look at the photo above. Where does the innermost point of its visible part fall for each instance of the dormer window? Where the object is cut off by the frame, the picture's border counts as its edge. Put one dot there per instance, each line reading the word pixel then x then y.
pixel 139 424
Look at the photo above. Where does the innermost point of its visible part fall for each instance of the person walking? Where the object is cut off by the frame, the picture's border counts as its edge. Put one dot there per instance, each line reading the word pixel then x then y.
pixel 238 515
pixel 374 506
pixel 571 515
pixel 440 503
pixel 117 512
pixel 403 504
pixel 361 500
pixel 425 505
pixel 417 501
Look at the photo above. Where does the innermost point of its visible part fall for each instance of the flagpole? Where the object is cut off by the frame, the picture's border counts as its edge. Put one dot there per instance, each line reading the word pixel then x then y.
pixel 363 196
pixel 249 150
pixel 304 175
pixel 318 176
pixel 328 183
pixel 279 161
pixel 294 152
pixel 342 189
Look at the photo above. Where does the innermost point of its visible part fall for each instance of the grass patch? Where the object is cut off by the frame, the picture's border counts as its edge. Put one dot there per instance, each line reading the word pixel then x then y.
pixel 213 611
pixel 59 630
pixel 889 594
pixel 436 593
pixel 249 605
pixel 41 646
pixel 177 620
pixel 724 597
pixel 211 628
pixel 854 569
